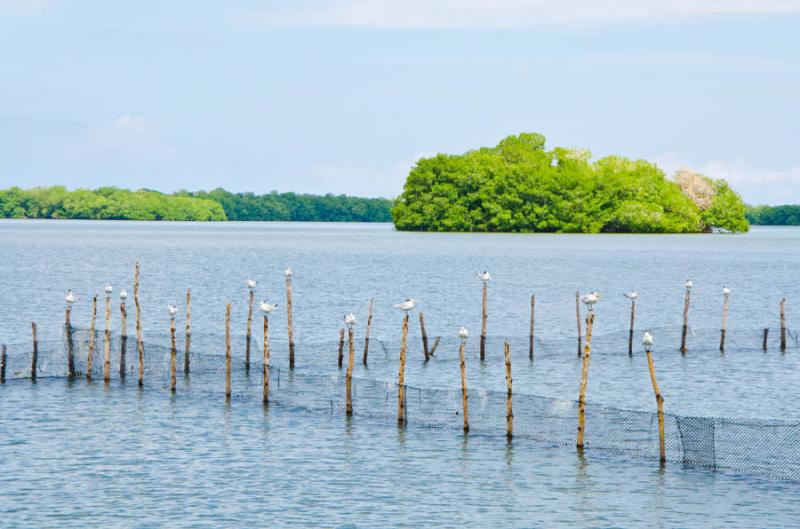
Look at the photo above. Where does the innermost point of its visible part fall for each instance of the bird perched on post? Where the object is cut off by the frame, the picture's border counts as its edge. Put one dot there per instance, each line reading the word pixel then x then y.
pixel 647 340
pixel 173 310
pixel 123 295
pixel 288 272
pixel 485 277
pixel 726 291
pixel 463 333
pixel 251 283
pixel 108 289
pixel 688 284
pixel 267 308
pixel 350 319
pixel 70 298
pixel 590 299
pixel 631 295
pixel 407 305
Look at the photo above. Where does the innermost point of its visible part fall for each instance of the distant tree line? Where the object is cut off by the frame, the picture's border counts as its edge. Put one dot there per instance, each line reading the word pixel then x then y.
pixel 111 203
pixel 774 215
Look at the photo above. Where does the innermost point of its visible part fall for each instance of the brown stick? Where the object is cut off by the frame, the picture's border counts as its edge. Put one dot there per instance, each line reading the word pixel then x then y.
pixel 248 338
pixel 188 345
pixel 660 403
pixel 228 351
pixel 425 351
pixel 783 324
pixel 90 358
pixel 509 412
pixel 578 318
pixel 3 364
pixel 630 332
pixel 341 348
pixel 533 314
pixel 139 342
pixel 107 343
pixel 173 353
pixel 435 345
pixel 587 351
pixel 464 393
pixel 265 371
pixel 349 375
pixel 685 328
pixel 123 342
pixel 290 327
pixel 366 335
pixel 35 353
pixel 70 341
pixel 401 376
pixel 724 327
pixel 764 342
pixel 484 316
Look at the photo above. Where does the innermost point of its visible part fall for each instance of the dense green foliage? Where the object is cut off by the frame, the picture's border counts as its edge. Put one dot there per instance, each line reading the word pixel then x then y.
pixel 121 204
pixel 518 186
pixel 788 215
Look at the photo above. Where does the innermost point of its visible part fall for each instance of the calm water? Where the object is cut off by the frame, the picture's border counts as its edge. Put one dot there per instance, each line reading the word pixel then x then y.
pixel 79 455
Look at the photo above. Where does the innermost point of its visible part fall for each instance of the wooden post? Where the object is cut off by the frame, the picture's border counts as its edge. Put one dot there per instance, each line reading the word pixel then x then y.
pixel 630 332
pixel 587 351
pixel 435 345
pixel 578 319
pixel 464 393
pixel 685 328
pixel 188 344
pixel 265 371
pixel 70 341
pixel 228 351
pixel 724 326
pixel 173 353
pixel 484 316
pixel 425 351
pixel 341 347
pixel 90 358
pixel 349 375
pixel 660 403
pixel 764 342
pixel 783 324
pixel 107 343
pixel 509 412
pixel 123 343
pixel 290 327
pixel 3 364
pixel 248 337
pixel 139 342
pixel 530 336
pixel 366 334
pixel 401 376
pixel 35 353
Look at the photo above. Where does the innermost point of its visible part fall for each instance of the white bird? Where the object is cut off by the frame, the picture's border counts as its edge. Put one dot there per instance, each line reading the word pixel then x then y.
pixel 350 319
pixel 407 305
pixel 288 272
pixel 251 283
pixel 108 289
pixel 688 284
pixel 71 298
pixel 590 299
pixel 123 295
pixel 632 294
pixel 726 291
pixel 267 308
pixel 463 333
pixel 485 277
pixel 173 310
pixel 647 339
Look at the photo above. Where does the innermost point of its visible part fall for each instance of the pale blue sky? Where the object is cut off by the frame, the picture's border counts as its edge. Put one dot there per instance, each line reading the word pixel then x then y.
pixel 343 95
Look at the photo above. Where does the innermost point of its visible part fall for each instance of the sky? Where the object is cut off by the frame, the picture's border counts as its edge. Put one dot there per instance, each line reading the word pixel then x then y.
pixel 343 96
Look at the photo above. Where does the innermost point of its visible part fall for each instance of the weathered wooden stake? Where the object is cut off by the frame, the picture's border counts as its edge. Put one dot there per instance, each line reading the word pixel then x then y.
pixel 764 342
pixel 464 393
pixel 578 319
pixel 107 343
pixel 783 324
pixel 248 338
pixel 70 341
pixel 3 364
pixel 484 316
pixel 90 358
pixel 123 342
pixel 341 348
pixel 366 334
pixel 509 412
pixel 425 351
pixel 401 376
pixel 188 345
pixel 349 375
pixel 228 351
pixel 173 353
pixel 660 403
pixel 290 327
pixel 35 353
pixel 633 321
pixel 685 328
pixel 139 341
pixel 587 351
pixel 724 327
pixel 435 345
pixel 265 372
pixel 530 336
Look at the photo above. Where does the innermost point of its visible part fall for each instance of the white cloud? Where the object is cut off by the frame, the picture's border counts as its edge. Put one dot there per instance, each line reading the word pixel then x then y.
pixel 505 13
pixel 126 136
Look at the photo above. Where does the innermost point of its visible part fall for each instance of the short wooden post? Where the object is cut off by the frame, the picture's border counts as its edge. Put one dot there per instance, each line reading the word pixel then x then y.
pixel 123 341
pixel 578 319
pixel 349 375
pixel 509 412
pixel 341 348
pixel 530 335
pixel 685 327
pixel 401 376
pixel 92 331
pixel 3 364
pixel 228 351
pixel 764 339
pixel 70 341
pixel 265 371
pixel 366 334
pixel 173 353
pixel 724 327
pixel 290 327
pixel 484 317
pixel 35 353
pixel 630 331
pixel 435 345
pixel 660 404
pixel 587 351
pixel 107 341
pixel 464 393
pixel 188 345
pixel 139 340
pixel 783 324
pixel 425 351
pixel 248 337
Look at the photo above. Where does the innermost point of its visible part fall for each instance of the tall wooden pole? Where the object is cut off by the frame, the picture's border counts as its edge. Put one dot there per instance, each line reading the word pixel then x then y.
pixel 587 351
pixel 35 353
pixel 530 335
pixel 123 341
pixel 630 331
pixel 401 376
pixel 265 372
pixel 341 348
pixel 107 342
pixel 188 345
pixel 425 351
pixel 70 341
pixel 660 403
pixel 90 358
pixel 685 328
pixel 509 412
pixel 578 319
pixel 228 351
pixel 139 340
pixel 724 326
pixel 349 375
pixel 3 364
pixel 366 334
pixel 173 353
pixel 464 393
pixel 290 327
pixel 484 316
pixel 783 324
pixel 248 338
